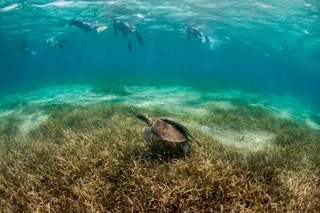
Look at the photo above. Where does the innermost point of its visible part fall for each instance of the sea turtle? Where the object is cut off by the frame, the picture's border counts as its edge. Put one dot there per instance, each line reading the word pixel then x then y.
pixel 167 130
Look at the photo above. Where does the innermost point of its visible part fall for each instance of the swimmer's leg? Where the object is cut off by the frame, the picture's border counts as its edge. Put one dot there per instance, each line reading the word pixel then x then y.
pixel 129 45
pixel 139 38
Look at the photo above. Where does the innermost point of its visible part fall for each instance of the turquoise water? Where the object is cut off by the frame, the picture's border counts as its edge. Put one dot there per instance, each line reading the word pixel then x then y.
pixel 261 47
pixel 247 89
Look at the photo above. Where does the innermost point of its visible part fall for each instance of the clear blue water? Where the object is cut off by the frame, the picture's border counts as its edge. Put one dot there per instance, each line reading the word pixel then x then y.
pixel 267 46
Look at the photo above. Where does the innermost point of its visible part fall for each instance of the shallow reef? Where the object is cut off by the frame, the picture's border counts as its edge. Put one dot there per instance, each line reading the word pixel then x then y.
pixel 93 158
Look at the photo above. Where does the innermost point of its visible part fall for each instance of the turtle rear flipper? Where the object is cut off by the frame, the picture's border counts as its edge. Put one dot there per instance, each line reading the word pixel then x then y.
pixel 146 131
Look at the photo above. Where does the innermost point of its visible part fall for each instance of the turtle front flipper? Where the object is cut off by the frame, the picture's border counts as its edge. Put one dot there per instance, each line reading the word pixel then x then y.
pixel 146 132
pixel 186 148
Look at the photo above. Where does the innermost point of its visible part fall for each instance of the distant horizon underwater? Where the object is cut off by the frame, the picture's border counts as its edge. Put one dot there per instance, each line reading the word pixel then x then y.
pixel 243 76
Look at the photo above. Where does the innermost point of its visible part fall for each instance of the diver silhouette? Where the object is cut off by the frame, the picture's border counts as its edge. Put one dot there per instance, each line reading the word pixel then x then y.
pixel 126 29
pixel 86 26
pixel 25 49
pixel 194 31
pixel 51 42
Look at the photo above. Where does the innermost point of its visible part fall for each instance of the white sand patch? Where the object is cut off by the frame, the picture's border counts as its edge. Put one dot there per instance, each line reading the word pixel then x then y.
pixel 28 121
pixel 312 124
pixel 233 94
pixel 244 140
pixel 4 113
pixel 76 94
pixel 31 121
pixel 73 94
pixel 224 105
pixel 186 100
pixel 284 114
pixel 174 99
pixel 68 94
pixel 198 111
pixel 227 105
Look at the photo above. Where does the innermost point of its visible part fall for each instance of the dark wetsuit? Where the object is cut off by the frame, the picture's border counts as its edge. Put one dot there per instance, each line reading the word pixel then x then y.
pixel 24 49
pixel 125 28
pixel 193 31
pixel 87 27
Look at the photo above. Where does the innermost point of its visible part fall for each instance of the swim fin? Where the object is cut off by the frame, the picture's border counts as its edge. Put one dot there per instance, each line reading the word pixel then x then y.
pixel 101 28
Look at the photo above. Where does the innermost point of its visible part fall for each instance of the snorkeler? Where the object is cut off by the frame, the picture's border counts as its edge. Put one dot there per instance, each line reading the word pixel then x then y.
pixel 25 50
pixel 126 28
pixel 192 30
pixel 51 42
pixel 86 26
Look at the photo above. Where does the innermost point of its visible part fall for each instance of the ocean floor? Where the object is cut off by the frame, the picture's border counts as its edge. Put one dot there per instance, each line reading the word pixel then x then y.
pixel 178 100
pixel 79 148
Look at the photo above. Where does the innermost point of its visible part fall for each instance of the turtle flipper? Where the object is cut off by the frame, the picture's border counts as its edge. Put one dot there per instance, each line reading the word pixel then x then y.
pixel 146 131
pixel 186 148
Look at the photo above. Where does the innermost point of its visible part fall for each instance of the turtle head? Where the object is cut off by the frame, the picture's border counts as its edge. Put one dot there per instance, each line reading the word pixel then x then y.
pixel 143 118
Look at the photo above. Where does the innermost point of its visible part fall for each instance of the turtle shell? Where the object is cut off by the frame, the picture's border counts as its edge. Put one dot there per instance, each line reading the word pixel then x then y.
pixel 166 131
